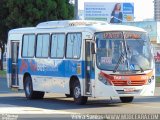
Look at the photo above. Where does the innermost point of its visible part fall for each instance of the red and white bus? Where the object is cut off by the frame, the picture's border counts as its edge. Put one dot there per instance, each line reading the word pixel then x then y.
pixel 81 59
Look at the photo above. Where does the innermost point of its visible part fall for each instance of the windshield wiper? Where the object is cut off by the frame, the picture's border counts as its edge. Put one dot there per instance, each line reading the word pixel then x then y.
pixel 118 63
pixel 140 68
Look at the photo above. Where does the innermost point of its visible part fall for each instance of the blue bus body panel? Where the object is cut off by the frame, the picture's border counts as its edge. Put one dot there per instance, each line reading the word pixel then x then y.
pixel 51 67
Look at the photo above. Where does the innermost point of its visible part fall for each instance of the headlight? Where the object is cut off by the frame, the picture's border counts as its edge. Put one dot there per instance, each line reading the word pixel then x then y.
pixel 103 79
pixel 150 80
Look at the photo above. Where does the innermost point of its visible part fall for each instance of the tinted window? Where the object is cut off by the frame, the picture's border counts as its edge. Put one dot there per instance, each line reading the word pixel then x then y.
pixel 42 45
pixel 57 45
pixel 28 45
pixel 73 45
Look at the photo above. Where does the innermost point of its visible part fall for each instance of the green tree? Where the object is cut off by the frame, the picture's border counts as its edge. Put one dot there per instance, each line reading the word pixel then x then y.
pixel 31 12
pixel 25 13
pixel 3 29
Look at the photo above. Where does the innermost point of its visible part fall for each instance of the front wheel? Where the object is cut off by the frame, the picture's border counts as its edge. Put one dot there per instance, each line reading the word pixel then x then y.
pixel 126 99
pixel 78 99
pixel 29 92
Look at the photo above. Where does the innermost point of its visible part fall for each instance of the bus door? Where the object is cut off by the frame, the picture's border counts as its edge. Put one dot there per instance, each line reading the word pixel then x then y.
pixel 14 63
pixel 88 67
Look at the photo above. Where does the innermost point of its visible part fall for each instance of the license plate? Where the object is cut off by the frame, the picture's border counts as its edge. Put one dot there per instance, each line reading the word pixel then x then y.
pixel 128 89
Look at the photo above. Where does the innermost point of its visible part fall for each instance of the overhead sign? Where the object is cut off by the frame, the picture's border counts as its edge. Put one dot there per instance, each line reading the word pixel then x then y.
pixel 110 12
pixel 112 35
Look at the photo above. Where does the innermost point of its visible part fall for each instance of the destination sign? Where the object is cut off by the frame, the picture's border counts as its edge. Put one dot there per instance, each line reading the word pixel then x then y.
pixel 122 35
pixel 113 35
pixel 133 35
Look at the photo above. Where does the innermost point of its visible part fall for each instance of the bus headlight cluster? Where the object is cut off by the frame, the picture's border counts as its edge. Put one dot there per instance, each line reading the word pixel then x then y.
pixel 103 79
pixel 150 80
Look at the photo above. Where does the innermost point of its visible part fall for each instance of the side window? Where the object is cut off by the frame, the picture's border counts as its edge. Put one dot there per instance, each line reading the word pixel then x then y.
pixel 28 45
pixel 57 45
pixel 74 45
pixel 42 48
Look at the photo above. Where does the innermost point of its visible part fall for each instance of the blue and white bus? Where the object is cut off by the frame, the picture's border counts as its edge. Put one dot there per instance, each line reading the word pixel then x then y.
pixel 81 59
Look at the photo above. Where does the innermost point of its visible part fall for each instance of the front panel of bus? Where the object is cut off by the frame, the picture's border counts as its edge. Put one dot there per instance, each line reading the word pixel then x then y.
pixel 124 64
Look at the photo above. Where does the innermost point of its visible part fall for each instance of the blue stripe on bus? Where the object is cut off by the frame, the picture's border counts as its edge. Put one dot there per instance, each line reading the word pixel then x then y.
pixel 50 67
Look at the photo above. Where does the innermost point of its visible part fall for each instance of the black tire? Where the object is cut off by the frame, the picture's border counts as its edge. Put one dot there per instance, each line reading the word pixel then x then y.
pixel 68 95
pixel 78 99
pixel 29 92
pixel 126 99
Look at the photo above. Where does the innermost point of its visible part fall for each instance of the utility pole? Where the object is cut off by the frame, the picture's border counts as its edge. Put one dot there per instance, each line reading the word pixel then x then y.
pixel 76 9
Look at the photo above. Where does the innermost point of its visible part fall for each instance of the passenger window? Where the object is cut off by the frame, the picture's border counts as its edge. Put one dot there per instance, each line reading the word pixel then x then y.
pixel 42 48
pixel 57 45
pixel 74 45
pixel 28 45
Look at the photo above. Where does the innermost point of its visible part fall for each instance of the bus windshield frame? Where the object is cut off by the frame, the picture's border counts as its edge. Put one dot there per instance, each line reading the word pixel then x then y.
pixel 123 51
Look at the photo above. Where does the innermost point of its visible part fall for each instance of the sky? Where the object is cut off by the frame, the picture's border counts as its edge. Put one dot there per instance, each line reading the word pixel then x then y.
pixel 143 9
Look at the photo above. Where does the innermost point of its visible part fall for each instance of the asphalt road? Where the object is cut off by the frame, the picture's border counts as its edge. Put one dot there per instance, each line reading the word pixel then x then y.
pixel 16 103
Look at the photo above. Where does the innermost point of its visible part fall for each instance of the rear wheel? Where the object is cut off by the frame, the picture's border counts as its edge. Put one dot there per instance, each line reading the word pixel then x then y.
pixel 126 99
pixel 78 99
pixel 29 92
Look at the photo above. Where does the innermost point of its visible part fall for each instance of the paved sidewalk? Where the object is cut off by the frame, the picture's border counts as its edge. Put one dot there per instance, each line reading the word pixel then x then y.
pixel 3 86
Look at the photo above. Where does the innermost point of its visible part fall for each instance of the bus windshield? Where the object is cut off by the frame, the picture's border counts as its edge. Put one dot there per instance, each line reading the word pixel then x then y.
pixel 123 51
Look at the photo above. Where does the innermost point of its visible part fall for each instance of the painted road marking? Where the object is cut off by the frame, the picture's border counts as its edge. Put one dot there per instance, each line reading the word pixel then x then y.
pixel 30 110
pixel 153 107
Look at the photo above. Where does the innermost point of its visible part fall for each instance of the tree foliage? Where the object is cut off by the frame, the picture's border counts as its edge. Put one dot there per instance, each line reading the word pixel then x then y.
pixel 31 12
pixel 25 13
pixel 3 29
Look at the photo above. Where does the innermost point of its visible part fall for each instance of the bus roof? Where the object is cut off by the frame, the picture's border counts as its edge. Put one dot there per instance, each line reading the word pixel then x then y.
pixel 76 26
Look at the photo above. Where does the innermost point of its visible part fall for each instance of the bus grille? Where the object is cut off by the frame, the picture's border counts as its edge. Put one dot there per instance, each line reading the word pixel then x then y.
pixel 128 82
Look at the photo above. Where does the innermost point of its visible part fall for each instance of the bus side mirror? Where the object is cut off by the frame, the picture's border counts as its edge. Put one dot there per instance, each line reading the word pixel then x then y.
pixel 93 48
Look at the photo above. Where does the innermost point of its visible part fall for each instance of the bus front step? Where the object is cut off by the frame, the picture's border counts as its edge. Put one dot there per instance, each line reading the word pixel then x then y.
pixel 88 93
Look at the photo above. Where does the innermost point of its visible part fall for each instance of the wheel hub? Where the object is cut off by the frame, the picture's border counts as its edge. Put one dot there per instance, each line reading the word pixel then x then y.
pixel 77 92
pixel 28 86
